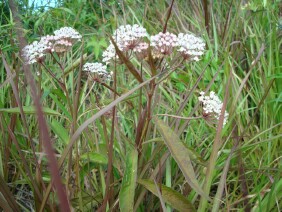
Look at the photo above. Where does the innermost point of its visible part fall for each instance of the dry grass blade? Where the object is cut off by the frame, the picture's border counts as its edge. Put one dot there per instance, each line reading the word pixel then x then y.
pixel 168 16
pixel 206 15
pixel 3 205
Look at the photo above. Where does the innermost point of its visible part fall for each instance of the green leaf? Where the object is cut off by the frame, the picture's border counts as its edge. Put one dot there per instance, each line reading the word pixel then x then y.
pixel 126 194
pixel 29 110
pixel 95 157
pixel 170 196
pixel 60 131
pixel 66 10
pixel 180 154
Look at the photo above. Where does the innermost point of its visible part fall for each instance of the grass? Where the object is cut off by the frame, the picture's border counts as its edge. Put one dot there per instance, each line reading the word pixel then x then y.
pixel 142 147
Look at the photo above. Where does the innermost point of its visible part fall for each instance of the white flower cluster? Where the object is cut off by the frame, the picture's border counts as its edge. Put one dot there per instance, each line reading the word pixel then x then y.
pixel 130 38
pixel 61 41
pixel 35 51
pixel 67 33
pixel 191 47
pixel 127 38
pixel 141 50
pixel 212 105
pixel 109 53
pixel 98 70
pixel 164 43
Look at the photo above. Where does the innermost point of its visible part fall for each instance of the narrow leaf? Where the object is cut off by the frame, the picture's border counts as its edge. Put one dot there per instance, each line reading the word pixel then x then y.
pixel 126 194
pixel 180 154
pixel 60 131
pixel 170 196
pixel 30 110
pixel 95 157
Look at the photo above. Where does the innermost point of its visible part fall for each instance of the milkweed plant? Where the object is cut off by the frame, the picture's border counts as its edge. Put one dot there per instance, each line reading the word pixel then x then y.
pixel 151 59
pixel 162 53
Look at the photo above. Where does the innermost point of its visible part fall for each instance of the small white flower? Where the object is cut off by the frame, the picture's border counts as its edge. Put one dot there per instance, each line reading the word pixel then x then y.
pixel 67 33
pixel 141 50
pixel 98 70
pixel 35 51
pixel 61 41
pixel 212 105
pixel 164 43
pixel 190 46
pixel 109 53
pixel 127 37
pixel 64 38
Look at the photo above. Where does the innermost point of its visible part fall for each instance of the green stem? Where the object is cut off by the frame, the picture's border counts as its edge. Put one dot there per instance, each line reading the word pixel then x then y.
pixel 168 178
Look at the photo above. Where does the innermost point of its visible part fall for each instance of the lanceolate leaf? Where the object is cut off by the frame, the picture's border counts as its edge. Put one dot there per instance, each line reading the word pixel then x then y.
pixel 126 194
pixel 180 154
pixel 29 110
pixel 95 157
pixel 170 196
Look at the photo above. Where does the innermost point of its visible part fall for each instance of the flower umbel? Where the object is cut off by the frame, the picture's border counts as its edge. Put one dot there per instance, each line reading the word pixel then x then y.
pixel 98 71
pixel 67 33
pixel 141 50
pixel 164 43
pixel 109 53
pixel 190 46
pixel 62 40
pixel 212 105
pixel 127 37
pixel 35 51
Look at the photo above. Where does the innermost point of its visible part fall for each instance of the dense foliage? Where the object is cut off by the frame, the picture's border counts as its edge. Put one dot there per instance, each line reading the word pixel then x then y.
pixel 192 123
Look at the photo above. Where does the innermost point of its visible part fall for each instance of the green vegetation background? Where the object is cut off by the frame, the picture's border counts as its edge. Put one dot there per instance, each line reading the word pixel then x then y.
pixel 243 44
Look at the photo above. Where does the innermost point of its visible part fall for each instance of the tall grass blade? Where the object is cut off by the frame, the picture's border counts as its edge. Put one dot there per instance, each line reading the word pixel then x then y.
pixel 30 110
pixel 126 194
